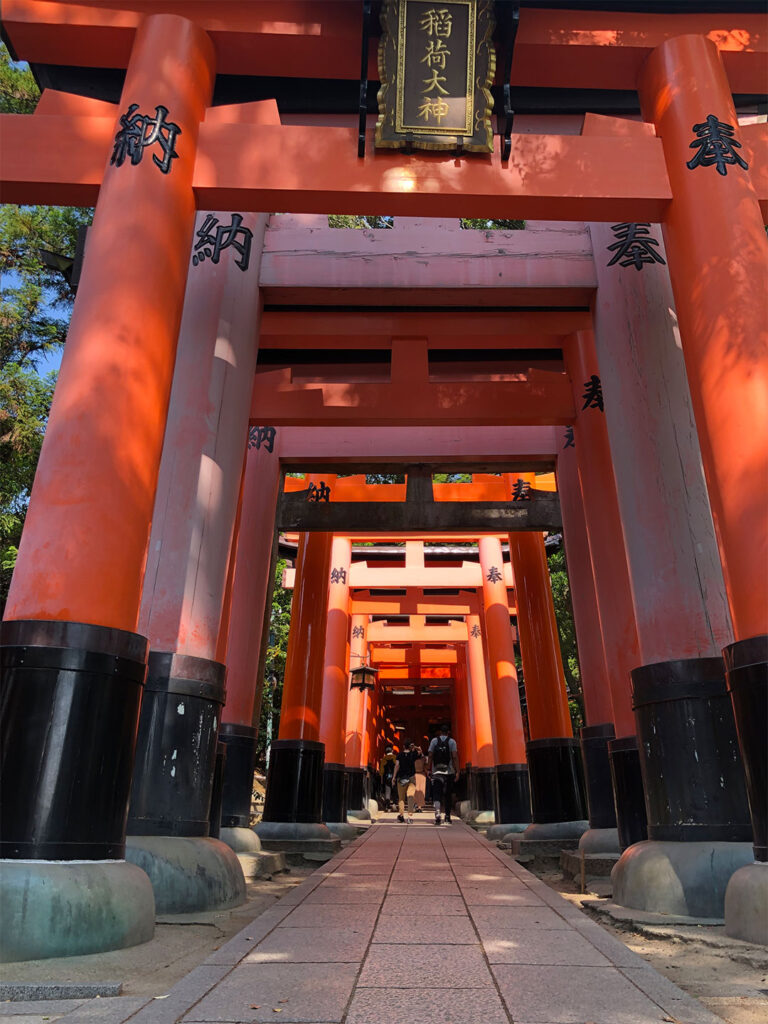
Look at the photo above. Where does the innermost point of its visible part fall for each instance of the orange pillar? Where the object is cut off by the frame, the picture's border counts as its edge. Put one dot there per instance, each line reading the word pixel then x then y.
pixel 513 800
pixel 357 706
pixel 252 561
pixel 333 714
pixel 606 541
pixel 295 783
pixel 95 484
pixel 598 730
pixel 718 263
pixel 594 673
pixel 554 757
pixel 545 693
pixel 484 752
pixel 77 582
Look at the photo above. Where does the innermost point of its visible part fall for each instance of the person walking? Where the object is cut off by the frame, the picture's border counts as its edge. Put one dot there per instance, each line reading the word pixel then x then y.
pixel 404 777
pixel 419 798
pixel 386 774
pixel 443 765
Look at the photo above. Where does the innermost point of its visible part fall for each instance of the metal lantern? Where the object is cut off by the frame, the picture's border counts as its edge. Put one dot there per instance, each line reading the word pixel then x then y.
pixel 363 678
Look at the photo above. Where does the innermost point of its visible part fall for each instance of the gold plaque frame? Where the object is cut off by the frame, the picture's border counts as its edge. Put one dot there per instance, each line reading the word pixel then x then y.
pixel 394 130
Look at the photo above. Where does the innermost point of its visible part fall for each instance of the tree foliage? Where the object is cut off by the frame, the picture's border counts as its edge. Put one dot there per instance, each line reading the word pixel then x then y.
pixel 274 668
pixel 35 309
pixel 561 595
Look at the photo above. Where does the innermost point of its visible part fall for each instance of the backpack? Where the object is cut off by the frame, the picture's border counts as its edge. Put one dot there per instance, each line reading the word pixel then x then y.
pixel 389 771
pixel 441 755
pixel 406 770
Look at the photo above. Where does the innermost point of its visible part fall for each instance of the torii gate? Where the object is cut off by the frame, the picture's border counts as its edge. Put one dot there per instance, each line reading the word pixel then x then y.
pixel 115 379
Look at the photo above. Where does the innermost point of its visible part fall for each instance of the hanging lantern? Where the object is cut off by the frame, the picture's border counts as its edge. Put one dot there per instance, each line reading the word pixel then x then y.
pixel 363 678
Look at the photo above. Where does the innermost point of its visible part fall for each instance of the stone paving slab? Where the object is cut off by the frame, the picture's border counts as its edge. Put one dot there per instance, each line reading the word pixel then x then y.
pixel 494 922
pixel 313 945
pixel 574 995
pixel 444 966
pixel 426 931
pixel 252 993
pixel 414 907
pixel 426 1006
pixel 318 915
pixel 543 946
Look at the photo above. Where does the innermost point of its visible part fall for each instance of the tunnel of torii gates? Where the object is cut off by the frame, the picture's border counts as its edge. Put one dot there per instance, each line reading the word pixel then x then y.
pixel 619 340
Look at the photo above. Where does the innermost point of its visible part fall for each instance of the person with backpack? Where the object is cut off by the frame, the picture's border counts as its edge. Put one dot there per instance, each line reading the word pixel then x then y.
pixel 405 778
pixel 386 773
pixel 443 764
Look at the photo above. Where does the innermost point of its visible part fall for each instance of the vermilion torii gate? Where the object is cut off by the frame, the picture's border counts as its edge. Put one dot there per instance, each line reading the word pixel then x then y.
pixel 71 645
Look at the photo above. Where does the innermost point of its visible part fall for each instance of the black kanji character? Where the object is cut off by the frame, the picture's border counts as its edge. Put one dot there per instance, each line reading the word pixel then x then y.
pixel 338 575
pixel 521 491
pixel 358 631
pixel 262 435
pixel 319 493
pixel 140 131
pixel 570 441
pixel 211 243
pixel 475 631
pixel 716 145
pixel 493 574
pixel 593 396
pixel 633 248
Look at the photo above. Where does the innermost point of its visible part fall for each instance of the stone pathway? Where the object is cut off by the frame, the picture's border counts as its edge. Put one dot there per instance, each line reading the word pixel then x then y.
pixel 411 925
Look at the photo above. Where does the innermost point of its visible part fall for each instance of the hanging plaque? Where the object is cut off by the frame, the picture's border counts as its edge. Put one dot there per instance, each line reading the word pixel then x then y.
pixel 436 65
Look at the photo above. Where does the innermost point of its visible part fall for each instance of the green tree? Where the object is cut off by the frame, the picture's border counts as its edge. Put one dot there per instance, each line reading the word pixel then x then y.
pixel 35 309
pixel 561 595
pixel 274 668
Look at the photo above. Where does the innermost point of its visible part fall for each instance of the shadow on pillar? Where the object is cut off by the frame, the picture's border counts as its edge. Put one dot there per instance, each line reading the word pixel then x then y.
pixel 602 835
pixel 168 820
pixel 70 705
pixel 335 783
pixel 698 817
pixel 483 810
pixel 746 898
pixel 357 804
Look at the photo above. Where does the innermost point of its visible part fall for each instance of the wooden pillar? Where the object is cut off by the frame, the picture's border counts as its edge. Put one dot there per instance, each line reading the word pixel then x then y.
pixel 484 753
pixel 603 522
pixel 598 730
pixel 333 715
pixel 513 800
pixel 78 578
pixel 718 263
pixel 554 761
pixel 295 783
pixel 357 707
pixel 192 530
pixel 248 617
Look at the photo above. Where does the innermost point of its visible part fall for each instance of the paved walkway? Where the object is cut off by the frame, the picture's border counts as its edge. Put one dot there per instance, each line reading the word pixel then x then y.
pixel 414 925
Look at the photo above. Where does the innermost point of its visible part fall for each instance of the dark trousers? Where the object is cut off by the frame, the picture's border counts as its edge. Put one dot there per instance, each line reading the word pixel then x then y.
pixel 442 792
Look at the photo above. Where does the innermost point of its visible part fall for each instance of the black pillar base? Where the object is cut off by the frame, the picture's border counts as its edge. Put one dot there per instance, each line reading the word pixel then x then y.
pixel 334 792
pixel 556 780
pixel 239 767
pixel 70 703
pixel 629 796
pixel 746 669
pixel 295 782
pixel 472 788
pixel 355 793
pixel 689 754
pixel 513 802
pixel 217 793
pixel 597 774
pixel 485 791
pixel 176 748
